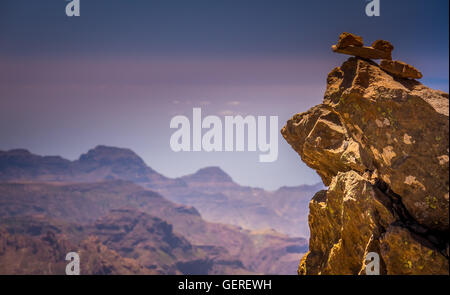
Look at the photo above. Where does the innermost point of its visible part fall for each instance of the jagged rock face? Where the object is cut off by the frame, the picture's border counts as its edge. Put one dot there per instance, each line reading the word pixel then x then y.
pixel 381 145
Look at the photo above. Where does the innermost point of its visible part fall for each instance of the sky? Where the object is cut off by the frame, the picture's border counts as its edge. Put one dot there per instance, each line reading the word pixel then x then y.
pixel 118 73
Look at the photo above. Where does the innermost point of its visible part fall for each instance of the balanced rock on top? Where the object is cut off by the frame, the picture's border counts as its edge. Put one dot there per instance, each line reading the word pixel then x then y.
pixel 353 45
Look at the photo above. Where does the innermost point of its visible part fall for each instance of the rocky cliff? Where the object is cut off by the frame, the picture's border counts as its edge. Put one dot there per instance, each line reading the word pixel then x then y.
pixel 380 142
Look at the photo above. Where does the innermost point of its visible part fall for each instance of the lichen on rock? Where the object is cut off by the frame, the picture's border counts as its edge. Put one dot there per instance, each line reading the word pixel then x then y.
pixel 381 144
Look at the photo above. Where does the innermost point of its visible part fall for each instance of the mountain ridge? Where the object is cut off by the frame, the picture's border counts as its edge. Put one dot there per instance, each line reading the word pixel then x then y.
pixel 100 152
pixel 211 190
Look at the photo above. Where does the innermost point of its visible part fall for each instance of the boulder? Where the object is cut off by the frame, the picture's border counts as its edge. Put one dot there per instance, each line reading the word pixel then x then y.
pixel 353 45
pixel 364 52
pixel 349 39
pixel 383 45
pixel 400 69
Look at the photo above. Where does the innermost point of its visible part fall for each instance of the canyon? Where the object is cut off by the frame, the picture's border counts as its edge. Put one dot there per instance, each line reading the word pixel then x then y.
pixel 112 208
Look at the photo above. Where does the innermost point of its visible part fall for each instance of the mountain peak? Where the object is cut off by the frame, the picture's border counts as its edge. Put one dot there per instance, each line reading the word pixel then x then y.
pixel 108 155
pixel 209 174
pixel 17 152
pixel 103 150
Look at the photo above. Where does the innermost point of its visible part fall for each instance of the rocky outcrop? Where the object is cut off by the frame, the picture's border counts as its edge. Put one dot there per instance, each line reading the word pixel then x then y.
pixel 381 145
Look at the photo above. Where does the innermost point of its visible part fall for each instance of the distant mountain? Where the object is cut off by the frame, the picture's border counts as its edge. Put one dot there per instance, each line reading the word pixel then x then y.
pixel 100 163
pixel 213 192
pixel 218 198
pixel 205 176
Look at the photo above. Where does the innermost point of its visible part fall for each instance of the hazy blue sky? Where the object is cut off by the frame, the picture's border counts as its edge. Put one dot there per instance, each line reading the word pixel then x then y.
pixel 118 73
